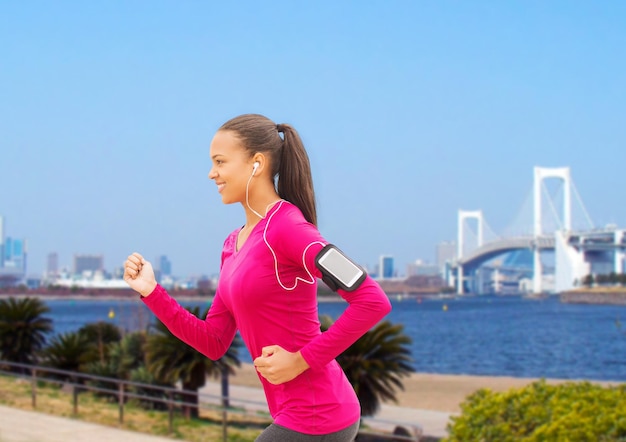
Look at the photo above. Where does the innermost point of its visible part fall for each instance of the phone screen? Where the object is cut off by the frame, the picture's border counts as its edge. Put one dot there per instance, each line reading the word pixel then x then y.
pixel 340 267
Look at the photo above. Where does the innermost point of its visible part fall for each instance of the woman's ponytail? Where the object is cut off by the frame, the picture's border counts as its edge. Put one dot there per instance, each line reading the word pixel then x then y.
pixel 295 182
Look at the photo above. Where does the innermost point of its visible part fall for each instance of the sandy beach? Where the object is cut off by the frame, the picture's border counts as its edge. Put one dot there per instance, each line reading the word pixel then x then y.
pixel 426 391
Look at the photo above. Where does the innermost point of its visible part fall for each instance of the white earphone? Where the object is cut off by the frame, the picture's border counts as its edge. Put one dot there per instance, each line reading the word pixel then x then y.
pixel 255 166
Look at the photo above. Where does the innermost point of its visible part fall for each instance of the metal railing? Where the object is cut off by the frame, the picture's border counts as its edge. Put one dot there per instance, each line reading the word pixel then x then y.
pixel 171 398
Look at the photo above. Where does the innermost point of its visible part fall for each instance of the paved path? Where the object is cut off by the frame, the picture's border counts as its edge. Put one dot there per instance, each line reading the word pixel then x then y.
pixel 32 426
pixel 432 423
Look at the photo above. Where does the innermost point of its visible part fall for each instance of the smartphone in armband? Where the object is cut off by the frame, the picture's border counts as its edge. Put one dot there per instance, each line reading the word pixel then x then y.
pixel 339 271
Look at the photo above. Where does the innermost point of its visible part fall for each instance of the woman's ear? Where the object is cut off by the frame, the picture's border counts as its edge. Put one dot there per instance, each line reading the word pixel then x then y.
pixel 259 163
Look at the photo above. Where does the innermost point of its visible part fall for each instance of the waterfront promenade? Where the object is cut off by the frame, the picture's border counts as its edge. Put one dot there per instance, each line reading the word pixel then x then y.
pixel 31 426
pixel 18 425
pixel 428 402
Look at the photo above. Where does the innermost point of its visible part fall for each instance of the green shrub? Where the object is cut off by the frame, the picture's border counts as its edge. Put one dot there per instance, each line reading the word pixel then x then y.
pixel 573 411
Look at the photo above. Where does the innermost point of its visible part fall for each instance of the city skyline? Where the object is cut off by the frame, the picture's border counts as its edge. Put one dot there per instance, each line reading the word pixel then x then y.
pixel 93 262
pixel 409 111
pixel 53 264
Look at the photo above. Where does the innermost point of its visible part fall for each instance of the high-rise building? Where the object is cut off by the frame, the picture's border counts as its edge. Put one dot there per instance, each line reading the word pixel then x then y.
pixel 88 263
pixel 385 267
pixel 12 258
pixel 1 241
pixel 52 265
pixel 446 253
pixel 164 266
pixel 420 267
pixel 14 254
pixel 7 249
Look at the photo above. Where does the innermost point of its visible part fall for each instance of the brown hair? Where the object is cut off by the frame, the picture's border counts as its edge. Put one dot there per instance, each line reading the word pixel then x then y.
pixel 288 158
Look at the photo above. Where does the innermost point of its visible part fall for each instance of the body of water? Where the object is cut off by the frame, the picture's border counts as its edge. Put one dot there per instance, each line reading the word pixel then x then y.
pixel 495 336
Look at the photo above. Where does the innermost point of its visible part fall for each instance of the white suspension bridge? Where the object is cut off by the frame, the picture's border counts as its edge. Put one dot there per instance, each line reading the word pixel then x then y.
pixel 579 247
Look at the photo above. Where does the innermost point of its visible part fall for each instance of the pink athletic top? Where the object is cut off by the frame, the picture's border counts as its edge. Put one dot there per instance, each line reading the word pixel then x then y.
pixel 271 311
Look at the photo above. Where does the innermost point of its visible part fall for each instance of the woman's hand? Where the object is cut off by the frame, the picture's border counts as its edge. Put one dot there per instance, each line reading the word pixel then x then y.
pixel 278 366
pixel 139 275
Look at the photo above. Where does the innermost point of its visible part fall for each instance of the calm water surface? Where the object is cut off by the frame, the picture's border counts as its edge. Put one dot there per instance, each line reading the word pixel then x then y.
pixel 503 336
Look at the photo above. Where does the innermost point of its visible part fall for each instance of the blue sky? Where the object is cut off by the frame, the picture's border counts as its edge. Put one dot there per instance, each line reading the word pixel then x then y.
pixel 410 111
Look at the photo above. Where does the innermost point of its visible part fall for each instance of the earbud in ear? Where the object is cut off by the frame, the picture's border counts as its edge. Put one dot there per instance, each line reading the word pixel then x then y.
pixel 255 167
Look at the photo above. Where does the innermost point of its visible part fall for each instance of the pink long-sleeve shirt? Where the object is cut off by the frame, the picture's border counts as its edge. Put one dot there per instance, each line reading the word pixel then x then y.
pixel 268 291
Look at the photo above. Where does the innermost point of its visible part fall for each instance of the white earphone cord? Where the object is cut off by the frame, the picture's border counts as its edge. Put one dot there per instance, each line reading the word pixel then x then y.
pixel 247 203
pixel 312 281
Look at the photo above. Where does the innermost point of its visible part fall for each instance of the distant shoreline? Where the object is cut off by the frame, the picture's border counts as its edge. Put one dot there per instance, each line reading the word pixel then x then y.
pixel 594 295
pixel 324 294
pixel 597 295
pixel 128 295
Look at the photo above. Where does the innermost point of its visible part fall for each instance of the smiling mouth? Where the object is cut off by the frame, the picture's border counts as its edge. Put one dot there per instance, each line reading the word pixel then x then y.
pixel 220 187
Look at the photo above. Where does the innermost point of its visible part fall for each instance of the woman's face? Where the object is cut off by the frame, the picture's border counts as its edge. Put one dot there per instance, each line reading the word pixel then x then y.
pixel 232 167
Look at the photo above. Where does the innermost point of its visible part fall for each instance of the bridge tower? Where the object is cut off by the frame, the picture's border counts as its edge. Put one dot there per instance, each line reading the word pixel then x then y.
pixel 464 215
pixel 620 256
pixel 541 174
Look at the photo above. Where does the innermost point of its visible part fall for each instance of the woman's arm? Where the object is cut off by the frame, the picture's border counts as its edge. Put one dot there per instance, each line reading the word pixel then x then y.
pixel 211 336
pixel 299 241
pixel 367 305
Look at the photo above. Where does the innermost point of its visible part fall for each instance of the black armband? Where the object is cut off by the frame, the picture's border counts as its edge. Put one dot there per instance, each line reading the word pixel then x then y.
pixel 339 271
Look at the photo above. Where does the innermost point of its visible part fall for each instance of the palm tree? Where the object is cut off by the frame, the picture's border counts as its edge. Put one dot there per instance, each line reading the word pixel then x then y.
pixel 100 335
pixel 23 329
pixel 67 351
pixel 171 360
pixel 375 363
pixel 108 389
pixel 128 354
pixel 103 338
pixel 141 375
pixel 123 357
